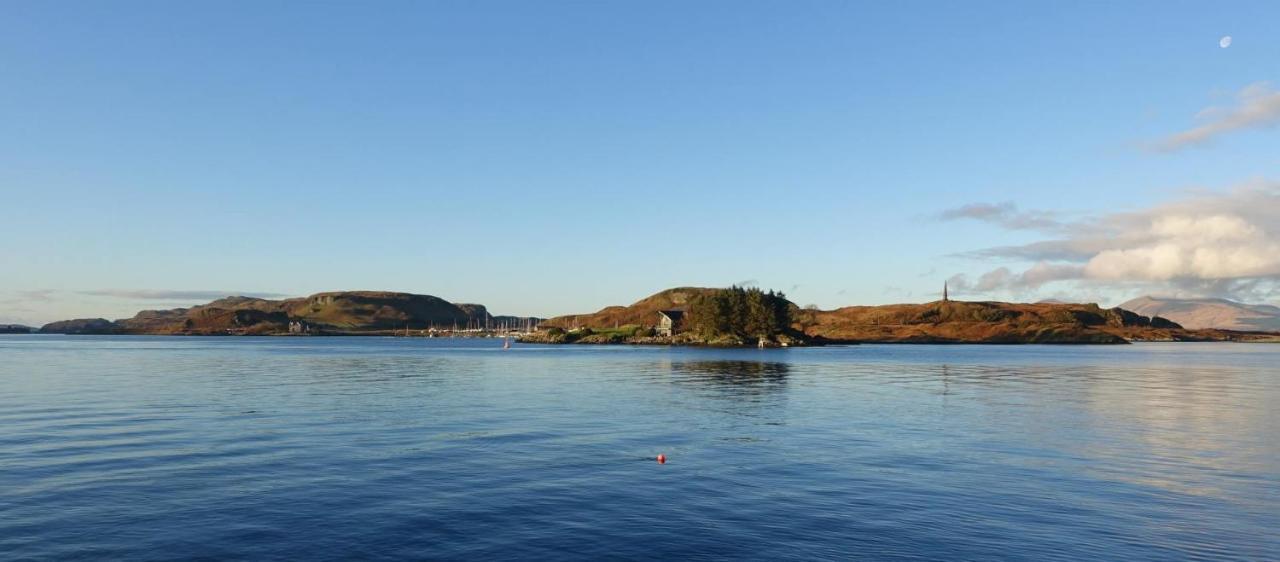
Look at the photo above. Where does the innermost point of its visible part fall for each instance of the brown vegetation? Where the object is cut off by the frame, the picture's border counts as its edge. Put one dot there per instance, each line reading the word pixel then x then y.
pixel 641 313
pixel 935 322
pixel 977 322
pixel 356 312
pixel 322 313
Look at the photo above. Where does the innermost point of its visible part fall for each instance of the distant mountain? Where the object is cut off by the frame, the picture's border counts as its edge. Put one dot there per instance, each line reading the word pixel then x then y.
pixel 15 329
pixel 81 326
pixel 341 312
pixel 1209 313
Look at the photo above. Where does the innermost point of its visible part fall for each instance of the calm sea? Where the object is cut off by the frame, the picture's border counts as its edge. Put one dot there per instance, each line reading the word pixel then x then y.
pixel 170 448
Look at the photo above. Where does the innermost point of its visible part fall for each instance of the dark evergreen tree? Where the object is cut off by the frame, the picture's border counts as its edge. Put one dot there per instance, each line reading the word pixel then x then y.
pixel 739 312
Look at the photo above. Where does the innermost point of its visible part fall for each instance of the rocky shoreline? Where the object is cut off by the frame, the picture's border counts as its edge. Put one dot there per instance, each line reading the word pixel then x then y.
pixel 589 337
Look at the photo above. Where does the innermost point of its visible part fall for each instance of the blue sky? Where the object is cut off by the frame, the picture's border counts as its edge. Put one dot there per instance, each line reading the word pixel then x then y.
pixel 556 157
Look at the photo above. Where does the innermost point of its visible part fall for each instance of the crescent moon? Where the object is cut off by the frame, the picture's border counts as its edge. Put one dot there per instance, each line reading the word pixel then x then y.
pixel 1225 41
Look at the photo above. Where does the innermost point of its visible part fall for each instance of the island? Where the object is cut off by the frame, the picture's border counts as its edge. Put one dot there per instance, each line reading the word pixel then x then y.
pixel 945 321
pixel 329 313
pixel 731 317
pixel 701 316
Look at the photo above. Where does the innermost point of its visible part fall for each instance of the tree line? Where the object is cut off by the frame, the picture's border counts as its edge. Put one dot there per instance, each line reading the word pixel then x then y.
pixel 737 311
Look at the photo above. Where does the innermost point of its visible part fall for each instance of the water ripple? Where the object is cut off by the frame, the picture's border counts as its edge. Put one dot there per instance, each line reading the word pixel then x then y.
pixel 385 449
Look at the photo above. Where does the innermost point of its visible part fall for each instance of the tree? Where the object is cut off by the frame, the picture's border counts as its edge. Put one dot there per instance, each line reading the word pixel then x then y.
pixel 741 312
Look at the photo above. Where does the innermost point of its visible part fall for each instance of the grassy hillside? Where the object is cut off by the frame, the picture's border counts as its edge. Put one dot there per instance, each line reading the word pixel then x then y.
pixel 643 312
pixel 81 326
pixel 979 322
pixel 373 310
pixel 941 322
pixel 935 322
pixel 344 311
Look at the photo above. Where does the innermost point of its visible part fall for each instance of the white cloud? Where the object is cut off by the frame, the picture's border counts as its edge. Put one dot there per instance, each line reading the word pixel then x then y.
pixel 1219 243
pixel 1005 279
pixel 1258 106
pixel 1004 214
pixel 1194 247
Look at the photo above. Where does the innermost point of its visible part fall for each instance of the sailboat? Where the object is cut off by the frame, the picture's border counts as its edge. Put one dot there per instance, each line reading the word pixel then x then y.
pixel 506 342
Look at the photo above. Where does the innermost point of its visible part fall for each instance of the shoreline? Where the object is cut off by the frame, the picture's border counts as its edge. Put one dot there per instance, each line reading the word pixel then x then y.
pixel 1243 338
pixel 682 316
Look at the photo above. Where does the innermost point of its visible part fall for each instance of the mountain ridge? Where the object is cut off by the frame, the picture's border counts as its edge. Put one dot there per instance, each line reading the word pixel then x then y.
pixel 947 321
pixel 16 329
pixel 332 312
pixel 1209 313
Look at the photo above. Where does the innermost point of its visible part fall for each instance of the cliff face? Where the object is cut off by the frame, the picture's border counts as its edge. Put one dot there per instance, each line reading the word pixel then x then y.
pixel 475 312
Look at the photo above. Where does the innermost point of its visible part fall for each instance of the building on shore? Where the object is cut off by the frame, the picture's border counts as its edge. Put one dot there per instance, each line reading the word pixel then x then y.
pixel 670 322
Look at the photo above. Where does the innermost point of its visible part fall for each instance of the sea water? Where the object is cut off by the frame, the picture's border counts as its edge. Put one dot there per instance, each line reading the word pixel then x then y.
pixel 311 448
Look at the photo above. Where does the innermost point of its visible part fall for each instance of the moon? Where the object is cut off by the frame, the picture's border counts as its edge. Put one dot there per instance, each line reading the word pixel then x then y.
pixel 1225 41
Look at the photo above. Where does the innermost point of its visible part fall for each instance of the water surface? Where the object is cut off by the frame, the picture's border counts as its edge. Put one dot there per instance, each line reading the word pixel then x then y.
pixel 163 448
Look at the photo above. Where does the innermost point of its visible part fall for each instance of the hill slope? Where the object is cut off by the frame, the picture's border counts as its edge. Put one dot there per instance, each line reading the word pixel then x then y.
pixel 81 326
pixel 643 312
pixel 985 322
pixel 1209 313
pixel 935 322
pixel 331 312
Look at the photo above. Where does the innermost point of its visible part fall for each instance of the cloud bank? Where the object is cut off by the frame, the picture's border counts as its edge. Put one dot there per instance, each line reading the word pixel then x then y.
pixel 1257 106
pixel 1211 243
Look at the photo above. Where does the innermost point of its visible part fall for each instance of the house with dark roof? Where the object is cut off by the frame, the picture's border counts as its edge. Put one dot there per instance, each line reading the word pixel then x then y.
pixel 670 322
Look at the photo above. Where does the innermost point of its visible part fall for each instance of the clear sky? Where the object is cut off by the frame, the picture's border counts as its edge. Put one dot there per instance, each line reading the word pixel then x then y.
pixel 556 157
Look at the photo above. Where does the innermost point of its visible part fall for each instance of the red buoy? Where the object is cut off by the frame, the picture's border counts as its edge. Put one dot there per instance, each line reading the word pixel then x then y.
pixel 662 459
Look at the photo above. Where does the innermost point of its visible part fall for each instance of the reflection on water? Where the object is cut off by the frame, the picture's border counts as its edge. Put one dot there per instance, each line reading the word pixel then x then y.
pixel 735 372
pixel 1181 425
pixel 338 448
pixel 746 376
